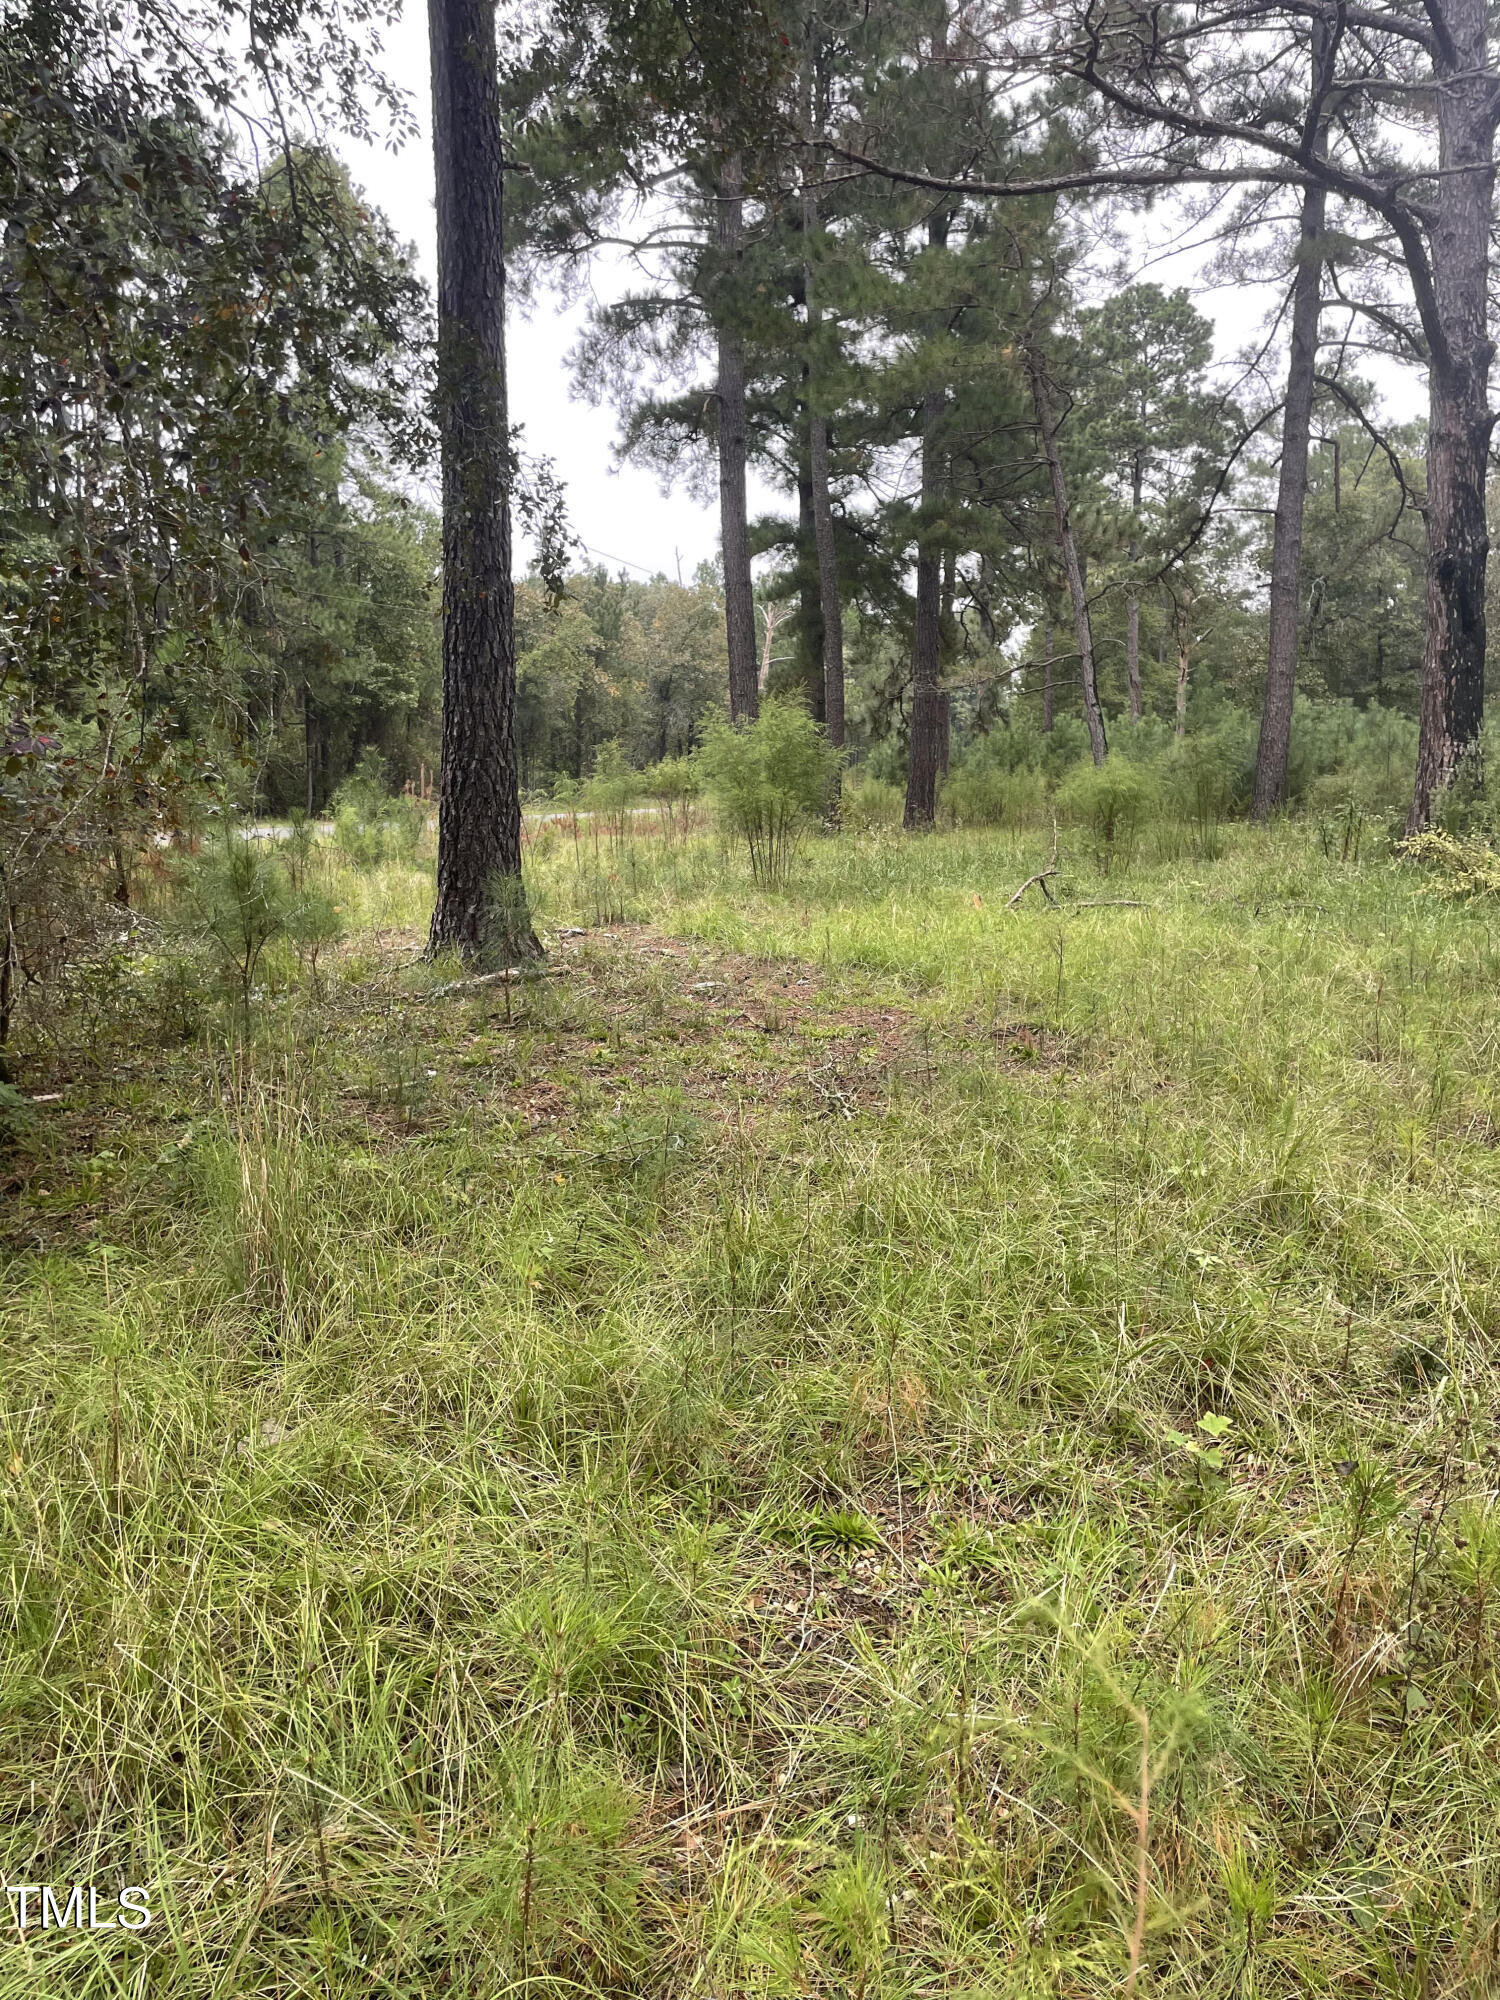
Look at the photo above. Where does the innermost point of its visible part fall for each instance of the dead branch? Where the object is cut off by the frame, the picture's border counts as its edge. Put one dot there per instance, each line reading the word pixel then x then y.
pixel 1040 879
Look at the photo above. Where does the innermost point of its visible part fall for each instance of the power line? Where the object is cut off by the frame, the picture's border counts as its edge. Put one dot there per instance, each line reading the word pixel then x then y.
pixel 625 560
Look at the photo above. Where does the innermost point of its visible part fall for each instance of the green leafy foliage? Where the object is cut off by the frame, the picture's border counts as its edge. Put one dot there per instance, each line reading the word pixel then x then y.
pixel 1114 803
pixel 1468 870
pixel 769 780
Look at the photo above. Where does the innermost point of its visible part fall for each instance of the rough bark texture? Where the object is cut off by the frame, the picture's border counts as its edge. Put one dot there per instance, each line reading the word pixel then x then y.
pixel 925 739
pixel 1082 627
pixel 817 424
pixel 1459 420
pixel 1133 603
pixel 1291 497
pixel 481 906
pixel 809 582
pixel 828 583
pixel 734 520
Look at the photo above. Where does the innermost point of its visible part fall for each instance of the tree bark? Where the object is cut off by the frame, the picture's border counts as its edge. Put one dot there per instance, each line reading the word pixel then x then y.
pixel 307 745
pixel 734 516
pixel 1183 642
pixel 481 905
pixel 809 582
pixel 925 740
pixel 1072 569
pixel 1459 420
pixel 1132 602
pixel 1275 745
pixel 828 583
pixel 817 422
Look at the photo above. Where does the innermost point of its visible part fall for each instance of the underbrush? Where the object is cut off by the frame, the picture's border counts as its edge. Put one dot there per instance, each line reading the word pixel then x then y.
pixel 860 1441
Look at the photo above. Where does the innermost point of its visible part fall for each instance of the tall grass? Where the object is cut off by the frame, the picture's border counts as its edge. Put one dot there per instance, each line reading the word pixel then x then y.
pixel 977 1479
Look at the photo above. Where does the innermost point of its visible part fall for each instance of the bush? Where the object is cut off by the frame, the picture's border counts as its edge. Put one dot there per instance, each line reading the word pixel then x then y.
pixel 977 792
pixel 769 779
pixel 869 803
pixel 1465 870
pixel 237 901
pixel 242 897
pixel 612 791
pixel 673 783
pixel 370 825
pixel 1113 801
pixel 313 922
pixel 1200 784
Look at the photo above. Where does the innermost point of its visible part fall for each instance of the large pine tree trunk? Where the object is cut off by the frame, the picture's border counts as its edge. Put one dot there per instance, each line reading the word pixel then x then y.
pixel 1291 496
pixel 925 740
pixel 481 906
pixel 1459 420
pixel 1072 568
pixel 734 517
pixel 817 423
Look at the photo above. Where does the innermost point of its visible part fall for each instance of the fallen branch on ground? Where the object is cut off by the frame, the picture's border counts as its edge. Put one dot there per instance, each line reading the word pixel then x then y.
pixel 1042 878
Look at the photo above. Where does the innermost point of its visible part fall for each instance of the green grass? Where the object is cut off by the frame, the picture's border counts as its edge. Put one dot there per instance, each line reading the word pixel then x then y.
pixel 715 1475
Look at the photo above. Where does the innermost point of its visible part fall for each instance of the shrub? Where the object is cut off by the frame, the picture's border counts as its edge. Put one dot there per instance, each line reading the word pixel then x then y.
pixel 1200 785
pixel 369 824
pixel 980 793
pixel 869 803
pixel 1113 801
pixel 612 791
pixel 673 783
pixel 299 846
pixel 313 922
pixel 237 900
pixel 1061 747
pixel 1463 869
pixel 769 779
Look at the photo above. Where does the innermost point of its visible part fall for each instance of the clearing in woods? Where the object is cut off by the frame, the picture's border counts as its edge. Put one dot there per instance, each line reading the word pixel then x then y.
pixel 854 1442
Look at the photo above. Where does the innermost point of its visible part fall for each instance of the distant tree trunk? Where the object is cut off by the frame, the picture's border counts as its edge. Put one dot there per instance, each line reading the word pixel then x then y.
pixel 1275 748
pixel 828 584
pixel 817 422
pixel 809 589
pixel 1047 663
pixel 925 741
pixel 1181 618
pixel 734 516
pixel 924 757
pixel 1467 107
pixel 307 740
pixel 481 905
pixel 8 958
pixel 1132 602
pixel 1072 569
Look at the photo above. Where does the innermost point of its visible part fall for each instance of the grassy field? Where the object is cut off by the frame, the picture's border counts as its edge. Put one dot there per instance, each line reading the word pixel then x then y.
pixel 852 1442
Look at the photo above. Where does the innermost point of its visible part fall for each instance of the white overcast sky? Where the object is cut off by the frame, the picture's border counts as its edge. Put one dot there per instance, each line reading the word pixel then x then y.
pixel 620 512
